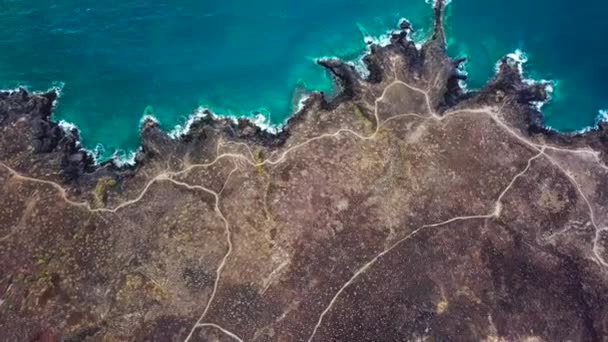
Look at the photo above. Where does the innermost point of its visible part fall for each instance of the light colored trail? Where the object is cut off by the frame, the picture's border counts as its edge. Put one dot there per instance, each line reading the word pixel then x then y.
pixel 213 162
pixel 498 206
pixel 167 174
pixel 213 325
pixel 222 264
pixel 484 110
pixel 541 149
pixel 379 124
pixel 271 162
pixel 377 257
pixel 498 209
pixel 57 187
pixel 162 176
pixel 366 266
pixel 425 93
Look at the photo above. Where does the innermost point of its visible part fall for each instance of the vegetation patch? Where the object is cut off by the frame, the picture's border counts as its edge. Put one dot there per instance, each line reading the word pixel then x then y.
pixel 100 194
pixel 369 125
pixel 259 160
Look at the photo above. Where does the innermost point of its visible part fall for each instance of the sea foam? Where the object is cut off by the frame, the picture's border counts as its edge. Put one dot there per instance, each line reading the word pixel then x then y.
pixel 517 59
pixel 67 127
pixel 381 40
pixel 260 118
pixel 122 159
pixel 182 129
pixel 603 115
pixel 119 158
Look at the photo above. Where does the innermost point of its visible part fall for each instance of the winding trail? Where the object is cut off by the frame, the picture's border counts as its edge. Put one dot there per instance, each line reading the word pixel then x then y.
pixel 494 214
pixel 213 325
pixel 224 259
pixel 540 148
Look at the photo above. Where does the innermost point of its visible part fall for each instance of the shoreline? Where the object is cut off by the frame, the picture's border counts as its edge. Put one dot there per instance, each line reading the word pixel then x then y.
pixel 361 67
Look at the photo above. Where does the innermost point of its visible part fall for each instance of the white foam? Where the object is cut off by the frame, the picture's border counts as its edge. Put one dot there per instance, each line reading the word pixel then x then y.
pixel 260 118
pixel 600 118
pixel 584 130
pixel 263 121
pixel 302 103
pixel 148 117
pixel 360 68
pixel 517 59
pixel 462 70
pixel 14 90
pixel 549 89
pixel 67 127
pixel 121 159
pixel 182 129
pixel 98 151
pixel 602 115
pixel 382 40
pixel 57 87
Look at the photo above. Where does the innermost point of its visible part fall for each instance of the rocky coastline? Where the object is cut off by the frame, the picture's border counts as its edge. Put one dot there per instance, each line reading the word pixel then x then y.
pixel 403 208
pixel 47 137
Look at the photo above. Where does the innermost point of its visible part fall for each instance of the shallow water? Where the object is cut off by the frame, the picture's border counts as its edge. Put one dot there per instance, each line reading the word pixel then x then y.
pixel 241 57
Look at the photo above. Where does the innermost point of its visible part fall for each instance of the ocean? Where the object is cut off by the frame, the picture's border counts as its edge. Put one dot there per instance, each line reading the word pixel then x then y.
pixel 118 60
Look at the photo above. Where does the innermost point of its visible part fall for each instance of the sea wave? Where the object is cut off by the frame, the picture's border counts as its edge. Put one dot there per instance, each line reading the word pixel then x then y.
pixel 602 117
pixel 68 127
pixel 381 40
pixel 57 87
pixel 517 59
pixel 261 119
pixel 180 130
pixel 122 158
pixel 119 157
pixel 462 70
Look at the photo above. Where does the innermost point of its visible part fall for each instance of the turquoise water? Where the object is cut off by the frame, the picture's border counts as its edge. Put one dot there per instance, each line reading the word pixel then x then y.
pixel 117 58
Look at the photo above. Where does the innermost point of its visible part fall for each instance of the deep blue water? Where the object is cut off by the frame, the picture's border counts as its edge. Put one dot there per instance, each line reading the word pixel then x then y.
pixel 117 58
